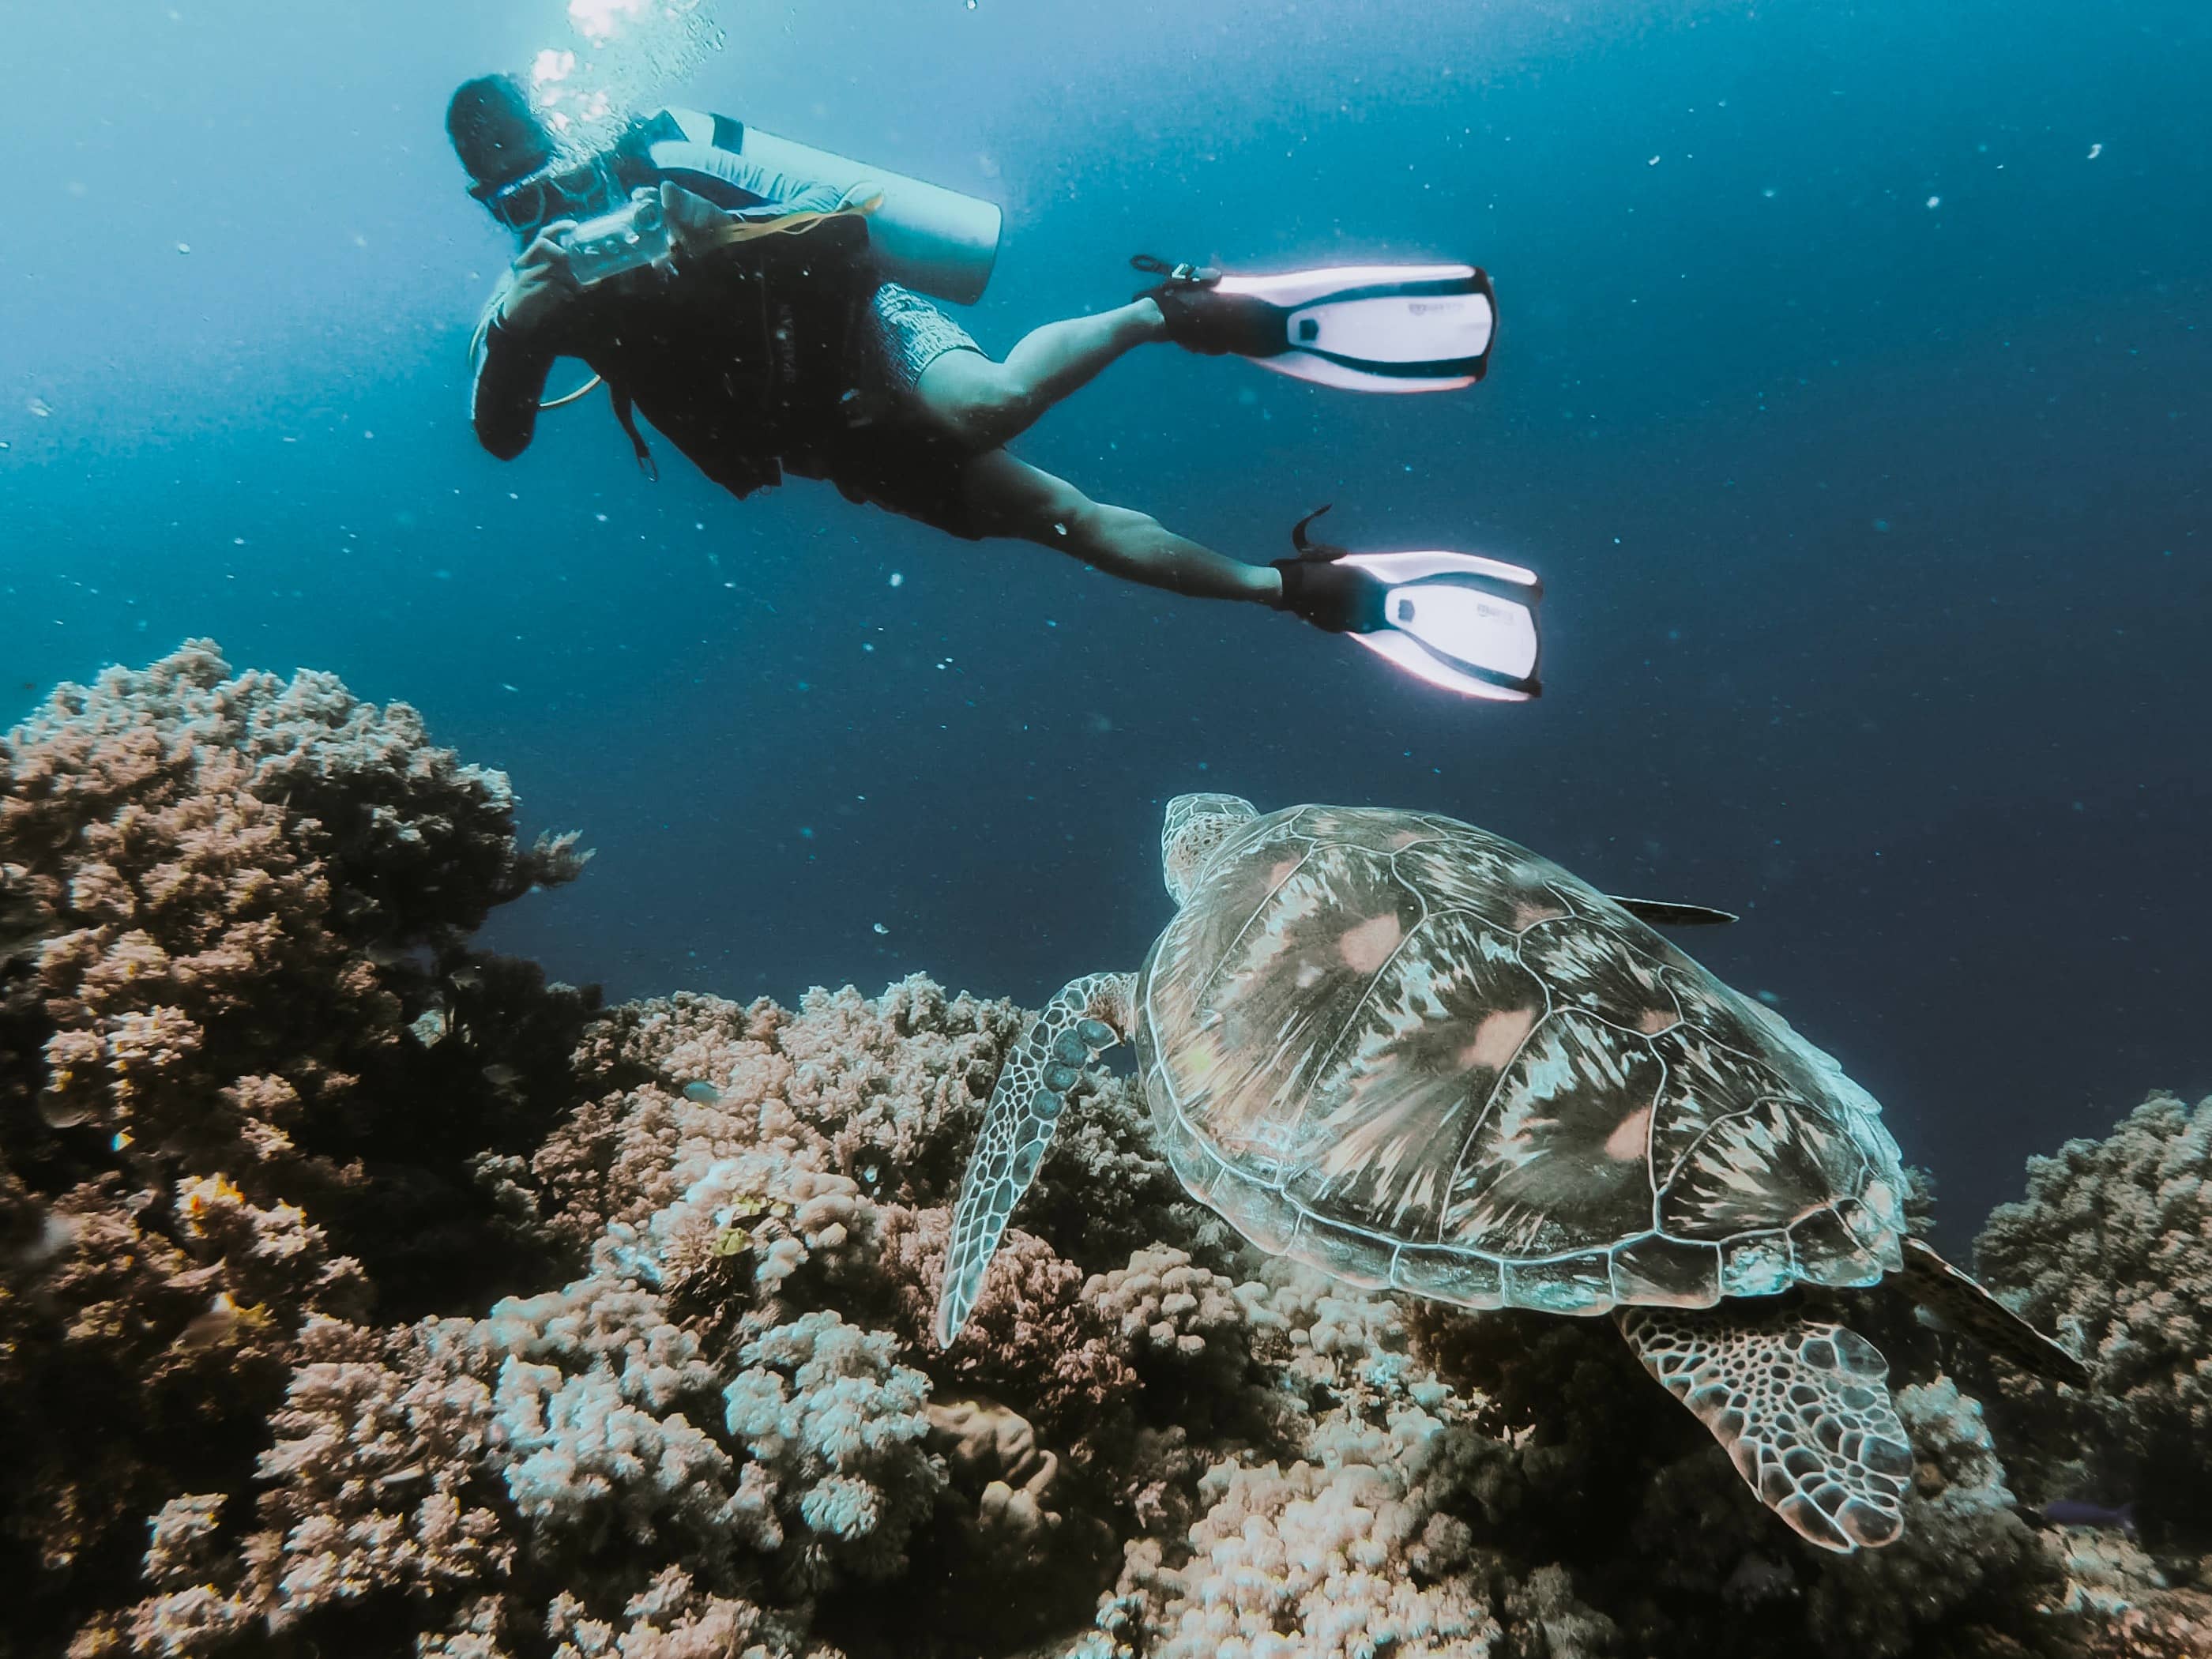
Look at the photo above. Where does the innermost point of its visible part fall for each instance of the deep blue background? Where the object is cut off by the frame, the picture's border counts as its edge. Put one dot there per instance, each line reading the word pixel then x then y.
pixel 1856 417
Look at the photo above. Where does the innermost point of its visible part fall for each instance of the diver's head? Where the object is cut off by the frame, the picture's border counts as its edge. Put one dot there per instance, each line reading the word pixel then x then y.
pixel 496 134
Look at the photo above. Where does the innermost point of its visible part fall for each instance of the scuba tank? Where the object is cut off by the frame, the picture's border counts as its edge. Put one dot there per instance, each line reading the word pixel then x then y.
pixel 935 241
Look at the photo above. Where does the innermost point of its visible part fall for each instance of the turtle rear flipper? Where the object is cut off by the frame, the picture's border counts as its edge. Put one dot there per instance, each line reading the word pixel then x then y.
pixel 1968 1308
pixel 1801 1407
pixel 1042 1073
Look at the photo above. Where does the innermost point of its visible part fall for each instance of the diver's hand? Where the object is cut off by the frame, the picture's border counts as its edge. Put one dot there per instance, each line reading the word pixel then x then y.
pixel 695 225
pixel 543 286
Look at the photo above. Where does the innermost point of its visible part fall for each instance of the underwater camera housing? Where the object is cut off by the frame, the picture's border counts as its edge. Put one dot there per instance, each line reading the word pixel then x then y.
pixel 633 235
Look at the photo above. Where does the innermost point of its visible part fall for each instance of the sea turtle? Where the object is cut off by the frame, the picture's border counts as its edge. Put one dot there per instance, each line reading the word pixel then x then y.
pixel 1416 1056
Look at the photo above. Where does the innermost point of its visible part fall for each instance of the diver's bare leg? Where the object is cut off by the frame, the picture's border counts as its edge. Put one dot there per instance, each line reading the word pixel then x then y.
pixel 985 404
pixel 1007 497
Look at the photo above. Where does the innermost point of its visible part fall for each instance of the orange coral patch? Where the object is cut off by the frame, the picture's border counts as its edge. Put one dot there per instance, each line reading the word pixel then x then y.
pixel 1368 946
pixel 1498 1038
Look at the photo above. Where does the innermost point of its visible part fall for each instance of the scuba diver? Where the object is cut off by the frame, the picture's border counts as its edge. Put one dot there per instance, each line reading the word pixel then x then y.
pixel 737 288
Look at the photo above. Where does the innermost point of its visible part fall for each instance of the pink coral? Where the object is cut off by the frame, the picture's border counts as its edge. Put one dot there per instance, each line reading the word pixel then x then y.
pixel 729 1431
pixel 2112 1246
pixel 992 1451
pixel 209 885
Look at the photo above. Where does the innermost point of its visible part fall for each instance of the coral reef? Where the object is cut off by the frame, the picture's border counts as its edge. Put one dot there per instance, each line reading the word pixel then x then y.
pixel 232 913
pixel 365 1297
pixel 2112 1246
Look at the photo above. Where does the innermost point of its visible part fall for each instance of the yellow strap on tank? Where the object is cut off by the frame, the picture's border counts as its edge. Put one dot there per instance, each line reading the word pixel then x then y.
pixel 791 224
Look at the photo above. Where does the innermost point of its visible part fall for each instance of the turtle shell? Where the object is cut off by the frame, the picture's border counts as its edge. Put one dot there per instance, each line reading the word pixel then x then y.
pixel 1415 1055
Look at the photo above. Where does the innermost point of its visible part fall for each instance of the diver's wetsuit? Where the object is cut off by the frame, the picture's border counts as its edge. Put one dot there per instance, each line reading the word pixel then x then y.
pixel 787 353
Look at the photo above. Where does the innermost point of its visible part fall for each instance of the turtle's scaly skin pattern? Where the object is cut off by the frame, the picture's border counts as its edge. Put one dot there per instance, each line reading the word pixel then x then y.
pixel 1413 1054
pixel 1801 1407
pixel 1042 1073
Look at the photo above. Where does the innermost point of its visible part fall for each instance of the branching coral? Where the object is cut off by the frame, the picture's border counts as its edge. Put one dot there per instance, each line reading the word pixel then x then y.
pixel 350 1421
pixel 741 1405
pixel 838 1423
pixel 223 900
pixel 2113 1246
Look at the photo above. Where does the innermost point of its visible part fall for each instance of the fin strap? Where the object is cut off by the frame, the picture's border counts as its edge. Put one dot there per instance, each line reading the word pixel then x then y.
pixel 1185 275
pixel 1311 550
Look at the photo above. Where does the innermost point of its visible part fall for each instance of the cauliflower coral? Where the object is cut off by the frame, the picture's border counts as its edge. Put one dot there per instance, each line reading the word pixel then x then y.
pixel 223 898
pixel 364 1295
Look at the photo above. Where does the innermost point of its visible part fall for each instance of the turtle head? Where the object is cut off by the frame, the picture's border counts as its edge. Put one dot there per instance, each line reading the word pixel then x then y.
pixel 1195 826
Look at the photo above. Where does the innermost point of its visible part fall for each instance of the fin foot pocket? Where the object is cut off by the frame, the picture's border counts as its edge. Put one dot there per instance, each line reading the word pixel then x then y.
pixel 1358 328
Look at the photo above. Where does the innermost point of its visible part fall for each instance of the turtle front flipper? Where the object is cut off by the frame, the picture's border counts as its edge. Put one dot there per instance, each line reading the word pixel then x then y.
pixel 1041 1075
pixel 1801 1407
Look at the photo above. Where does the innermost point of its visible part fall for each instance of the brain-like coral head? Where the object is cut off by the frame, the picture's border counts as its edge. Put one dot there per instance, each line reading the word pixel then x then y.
pixel 1195 825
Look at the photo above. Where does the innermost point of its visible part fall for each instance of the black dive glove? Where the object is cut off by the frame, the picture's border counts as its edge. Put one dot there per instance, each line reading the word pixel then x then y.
pixel 1341 599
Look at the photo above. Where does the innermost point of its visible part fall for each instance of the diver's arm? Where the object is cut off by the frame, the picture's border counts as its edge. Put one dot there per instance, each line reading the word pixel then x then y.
pixel 512 350
pixel 509 383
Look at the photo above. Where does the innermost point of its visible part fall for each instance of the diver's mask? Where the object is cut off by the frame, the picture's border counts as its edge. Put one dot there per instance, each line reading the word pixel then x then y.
pixel 554 191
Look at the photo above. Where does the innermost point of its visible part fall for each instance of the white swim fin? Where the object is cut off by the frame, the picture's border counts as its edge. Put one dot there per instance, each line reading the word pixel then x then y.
pixel 1363 328
pixel 1459 621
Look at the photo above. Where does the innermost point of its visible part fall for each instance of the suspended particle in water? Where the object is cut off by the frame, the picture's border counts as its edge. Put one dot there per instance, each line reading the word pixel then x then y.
pixel 881 928
pixel 184 247
pixel 1935 201
pixel 898 579
pixel 2095 150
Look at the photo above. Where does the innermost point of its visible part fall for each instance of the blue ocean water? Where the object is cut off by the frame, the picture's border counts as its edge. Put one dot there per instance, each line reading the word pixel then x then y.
pixel 1850 397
